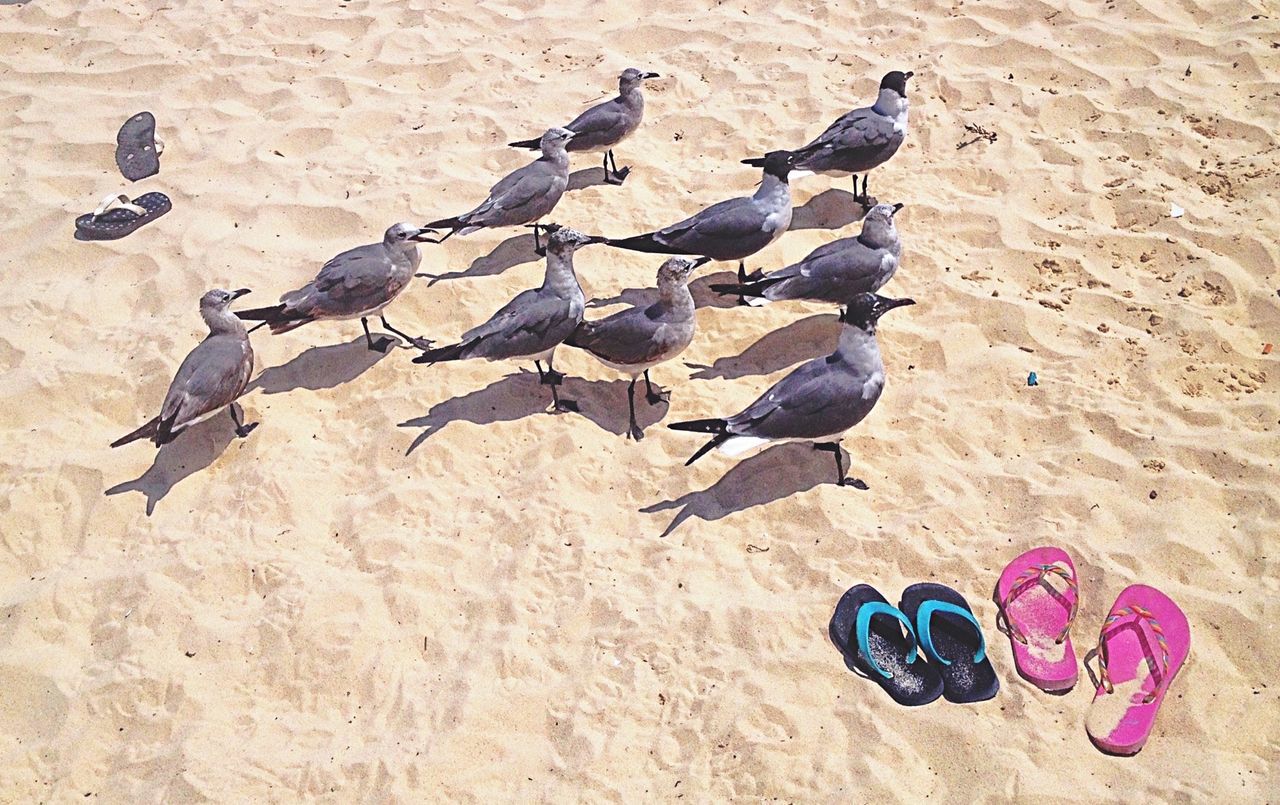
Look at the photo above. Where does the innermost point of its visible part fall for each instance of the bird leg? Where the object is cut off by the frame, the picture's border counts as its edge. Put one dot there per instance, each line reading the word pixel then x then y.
pixel 654 397
pixel 553 379
pixel 842 479
pixel 538 248
pixel 634 431
pixel 419 342
pixel 381 345
pixel 237 416
pixel 862 198
pixel 614 176
pixel 742 280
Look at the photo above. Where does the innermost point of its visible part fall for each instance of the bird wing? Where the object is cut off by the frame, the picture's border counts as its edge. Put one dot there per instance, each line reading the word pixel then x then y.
pixel 629 337
pixel 211 376
pixel 602 124
pixel 861 128
pixel 518 189
pixel 529 324
pixel 351 282
pixel 817 399
pixel 728 220
pixel 833 272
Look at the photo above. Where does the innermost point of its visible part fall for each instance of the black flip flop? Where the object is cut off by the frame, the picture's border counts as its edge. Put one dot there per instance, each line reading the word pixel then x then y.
pixel 117 216
pixel 951 637
pixel 868 632
pixel 137 149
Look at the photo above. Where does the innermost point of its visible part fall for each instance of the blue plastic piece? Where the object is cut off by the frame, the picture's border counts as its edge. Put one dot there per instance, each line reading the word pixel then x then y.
pixel 1032 380
pixel 863 631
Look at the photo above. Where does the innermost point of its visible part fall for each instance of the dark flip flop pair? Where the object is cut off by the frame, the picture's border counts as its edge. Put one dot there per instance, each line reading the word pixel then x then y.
pixel 930 645
pixel 138 156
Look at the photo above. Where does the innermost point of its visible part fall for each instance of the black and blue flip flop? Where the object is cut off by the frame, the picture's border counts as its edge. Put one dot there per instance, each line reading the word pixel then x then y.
pixel 117 216
pixel 137 148
pixel 869 633
pixel 951 637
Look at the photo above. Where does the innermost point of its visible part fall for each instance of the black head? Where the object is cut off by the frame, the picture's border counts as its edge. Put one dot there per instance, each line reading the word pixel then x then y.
pixel 775 163
pixel 865 309
pixel 896 81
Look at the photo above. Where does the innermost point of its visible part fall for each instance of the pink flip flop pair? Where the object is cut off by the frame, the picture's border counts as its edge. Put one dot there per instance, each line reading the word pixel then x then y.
pixel 1142 645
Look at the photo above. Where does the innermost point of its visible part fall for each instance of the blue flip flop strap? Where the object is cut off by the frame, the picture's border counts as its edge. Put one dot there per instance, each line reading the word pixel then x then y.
pixel 862 629
pixel 925 616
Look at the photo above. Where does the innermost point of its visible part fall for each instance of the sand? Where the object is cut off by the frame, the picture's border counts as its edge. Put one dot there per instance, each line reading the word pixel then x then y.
pixel 489 603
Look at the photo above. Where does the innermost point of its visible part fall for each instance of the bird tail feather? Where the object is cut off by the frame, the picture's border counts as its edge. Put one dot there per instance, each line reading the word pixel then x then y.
pixel 644 243
pixel 145 432
pixel 719 427
pixel 278 317
pixel 452 352
pixel 753 288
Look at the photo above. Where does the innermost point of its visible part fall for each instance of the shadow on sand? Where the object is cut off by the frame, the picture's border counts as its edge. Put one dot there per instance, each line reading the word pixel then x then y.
pixel 776 473
pixel 799 341
pixel 193 450
pixel 513 251
pixel 830 209
pixel 703 296
pixel 321 367
pixel 519 395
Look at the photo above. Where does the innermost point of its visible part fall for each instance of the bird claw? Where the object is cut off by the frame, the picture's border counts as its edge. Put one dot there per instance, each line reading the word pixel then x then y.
pixel 658 397
pixel 856 483
pixel 245 429
pixel 541 251
pixel 551 378
pixel 565 406
pixel 867 202
pixel 421 343
pixel 617 177
pixel 635 432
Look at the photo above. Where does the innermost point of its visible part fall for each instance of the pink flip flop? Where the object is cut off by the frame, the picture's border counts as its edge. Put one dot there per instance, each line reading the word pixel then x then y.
pixel 1037 616
pixel 1143 644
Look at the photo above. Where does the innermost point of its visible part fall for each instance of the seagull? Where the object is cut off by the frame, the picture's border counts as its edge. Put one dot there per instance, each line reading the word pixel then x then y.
pixel 605 125
pixel 635 340
pixel 356 284
pixel 733 229
pixel 862 139
pixel 836 271
pixel 534 323
pixel 818 401
pixel 211 377
pixel 522 197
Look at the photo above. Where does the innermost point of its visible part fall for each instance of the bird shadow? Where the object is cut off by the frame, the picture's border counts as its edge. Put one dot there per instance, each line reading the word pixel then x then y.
pixel 520 395
pixel 700 289
pixel 320 368
pixel 194 450
pixel 798 341
pixel 776 473
pixel 830 209
pixel 587 177
pixel 511 252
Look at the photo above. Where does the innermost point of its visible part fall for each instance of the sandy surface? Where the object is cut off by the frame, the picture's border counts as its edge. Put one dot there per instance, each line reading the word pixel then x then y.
pixel 492 603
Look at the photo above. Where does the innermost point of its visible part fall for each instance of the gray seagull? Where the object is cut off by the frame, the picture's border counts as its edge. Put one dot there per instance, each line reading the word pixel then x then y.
pixel 834 272
pixel 534 323
pixel 818 401
pixel 862 139
pixel 635 340
pixel 210 378
pixel 605 125
pixel 356 284
pixel 523 196
pixel 733 229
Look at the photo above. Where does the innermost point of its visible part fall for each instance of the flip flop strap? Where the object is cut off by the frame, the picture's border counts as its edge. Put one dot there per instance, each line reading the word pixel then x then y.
pixel 862 630
pixel 117 201
pixel 924 617
pixel 1139 615
pixel 1032 577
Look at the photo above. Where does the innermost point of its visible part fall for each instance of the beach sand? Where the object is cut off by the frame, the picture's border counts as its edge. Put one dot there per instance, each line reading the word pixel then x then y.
pixel 411 584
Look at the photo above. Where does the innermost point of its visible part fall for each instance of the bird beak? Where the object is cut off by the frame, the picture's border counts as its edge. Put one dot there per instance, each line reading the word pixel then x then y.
pixel 890 304
pixel 236 294
pixel 897 207
pixel 755 162
pixel 595 239
pixel 908 74
pixel 572 134
pixel 650 75
pixel 421 235
pixel 701 261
